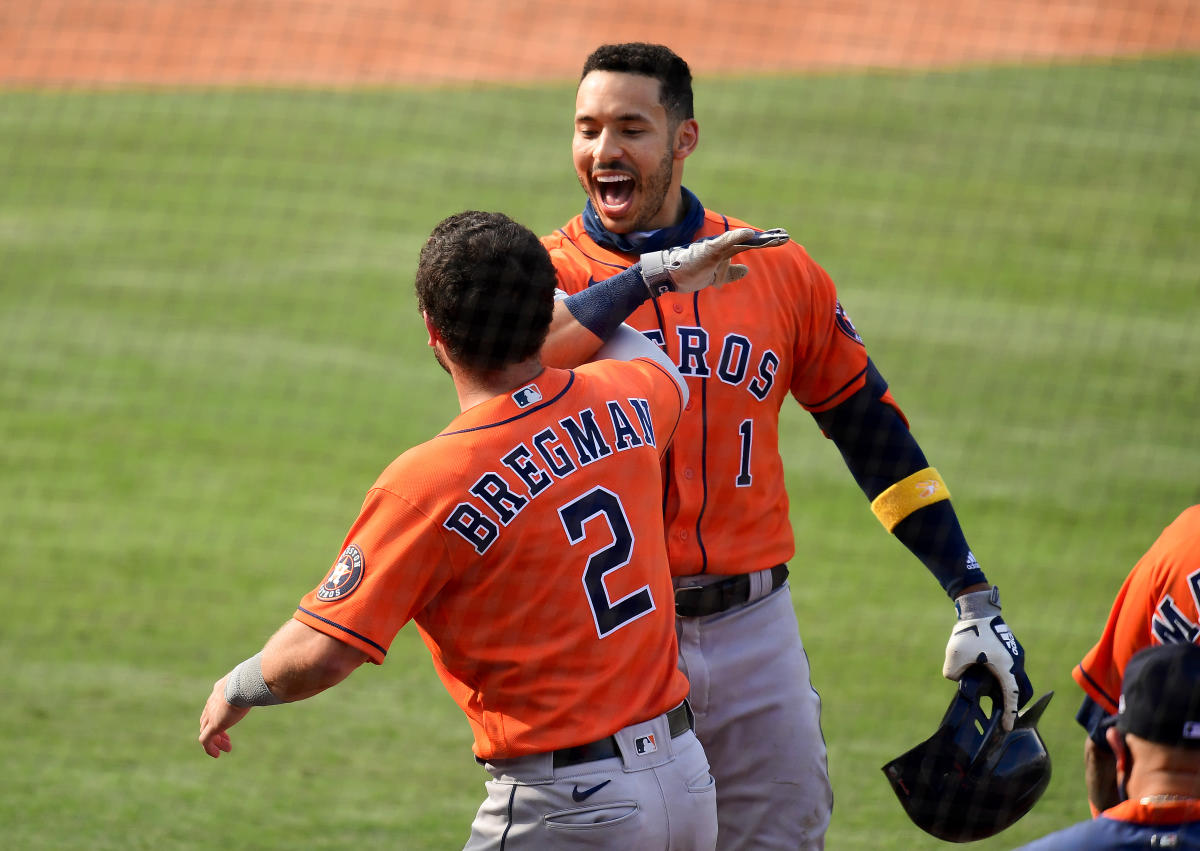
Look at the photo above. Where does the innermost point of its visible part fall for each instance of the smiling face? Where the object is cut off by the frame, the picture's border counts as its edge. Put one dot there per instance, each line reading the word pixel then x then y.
pixel 628 153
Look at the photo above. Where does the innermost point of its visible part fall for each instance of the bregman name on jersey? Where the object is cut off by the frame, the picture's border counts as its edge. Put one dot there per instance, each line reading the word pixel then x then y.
pixel 533 465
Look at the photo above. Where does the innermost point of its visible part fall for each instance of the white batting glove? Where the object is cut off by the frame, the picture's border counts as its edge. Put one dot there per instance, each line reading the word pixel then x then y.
pixel 706 263
pixel 981 637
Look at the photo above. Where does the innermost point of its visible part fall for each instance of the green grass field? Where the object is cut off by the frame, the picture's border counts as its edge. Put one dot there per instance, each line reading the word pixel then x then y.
pixel 209 348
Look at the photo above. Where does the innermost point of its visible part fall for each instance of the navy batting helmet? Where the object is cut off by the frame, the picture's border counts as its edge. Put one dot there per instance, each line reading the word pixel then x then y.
pixel 970 780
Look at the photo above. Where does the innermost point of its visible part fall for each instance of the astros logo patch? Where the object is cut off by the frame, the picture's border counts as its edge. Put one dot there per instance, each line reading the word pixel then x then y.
pixel 344 576
pixel 845 325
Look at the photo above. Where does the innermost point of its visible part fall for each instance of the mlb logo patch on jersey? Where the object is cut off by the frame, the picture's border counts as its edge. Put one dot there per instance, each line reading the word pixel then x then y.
pixel 527 395
pixel 645 744
pixel 845 325
pixel 344 576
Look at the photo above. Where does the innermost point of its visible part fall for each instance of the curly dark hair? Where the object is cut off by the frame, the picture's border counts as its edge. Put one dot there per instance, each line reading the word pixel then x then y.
pixel 650 60
pixel 487 285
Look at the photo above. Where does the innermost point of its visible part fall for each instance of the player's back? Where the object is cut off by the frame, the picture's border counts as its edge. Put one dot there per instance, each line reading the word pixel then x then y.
pixel 557 593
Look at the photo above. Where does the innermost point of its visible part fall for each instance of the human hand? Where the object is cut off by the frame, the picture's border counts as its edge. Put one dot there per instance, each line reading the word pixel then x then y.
pixel 980 636
pixel 693 267
pixel 216 719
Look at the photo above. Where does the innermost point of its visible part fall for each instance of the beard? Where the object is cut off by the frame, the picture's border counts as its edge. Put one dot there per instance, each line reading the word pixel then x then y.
pixel 437 355
pixel 654 193
pixel 654 189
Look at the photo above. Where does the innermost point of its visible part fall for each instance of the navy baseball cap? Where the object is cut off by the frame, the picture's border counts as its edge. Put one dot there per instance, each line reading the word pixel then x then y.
pixel 1160 697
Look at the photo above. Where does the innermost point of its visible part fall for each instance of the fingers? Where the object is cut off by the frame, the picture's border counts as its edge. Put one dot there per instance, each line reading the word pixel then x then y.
pixel 726 241
pixel 216 744
pixel 1008 687
pixel 216 719
pixel 768 238
pixel 743 239
pixel 733 272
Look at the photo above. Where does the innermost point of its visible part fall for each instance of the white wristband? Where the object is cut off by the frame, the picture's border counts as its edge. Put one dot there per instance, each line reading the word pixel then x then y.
pixel 656 273
pixel 246 685
pixel 978 604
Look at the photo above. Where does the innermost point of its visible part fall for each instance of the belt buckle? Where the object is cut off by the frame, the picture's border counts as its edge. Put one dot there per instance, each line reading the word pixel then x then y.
pixel 688 598
pixel 684 591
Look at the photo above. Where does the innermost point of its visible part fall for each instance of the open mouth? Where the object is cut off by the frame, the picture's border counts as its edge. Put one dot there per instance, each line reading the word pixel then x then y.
pixel 615 193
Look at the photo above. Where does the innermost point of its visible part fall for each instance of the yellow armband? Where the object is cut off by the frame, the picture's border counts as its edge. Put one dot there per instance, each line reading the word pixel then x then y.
pixel 922 488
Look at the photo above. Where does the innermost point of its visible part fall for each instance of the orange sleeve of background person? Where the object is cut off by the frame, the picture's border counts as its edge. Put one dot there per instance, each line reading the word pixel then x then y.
pixel 743 349
pixel 507 601
pixel 1158 603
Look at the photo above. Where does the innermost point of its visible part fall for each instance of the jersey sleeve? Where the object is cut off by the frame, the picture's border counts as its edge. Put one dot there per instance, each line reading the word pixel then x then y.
pixel 1128 629
pixel 1158 603
pixel 392 563
pixel 574 273
pixel 830 357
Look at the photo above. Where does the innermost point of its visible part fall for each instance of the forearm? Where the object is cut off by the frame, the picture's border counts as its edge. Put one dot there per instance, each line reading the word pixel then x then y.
pixel 299 662
pixel 600 308
pixel 583 321
pixel 880 452
pixel 296 663
pixel 568 343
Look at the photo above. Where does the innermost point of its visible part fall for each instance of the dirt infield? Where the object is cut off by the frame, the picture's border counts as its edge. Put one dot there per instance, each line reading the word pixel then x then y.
pixel 373 42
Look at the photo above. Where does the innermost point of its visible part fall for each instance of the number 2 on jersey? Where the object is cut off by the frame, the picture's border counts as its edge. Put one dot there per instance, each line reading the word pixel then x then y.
pixel 603 503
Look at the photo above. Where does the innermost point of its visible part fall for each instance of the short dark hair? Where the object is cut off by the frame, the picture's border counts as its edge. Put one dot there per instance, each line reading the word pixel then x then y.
pixel 487 285
pixel 650 60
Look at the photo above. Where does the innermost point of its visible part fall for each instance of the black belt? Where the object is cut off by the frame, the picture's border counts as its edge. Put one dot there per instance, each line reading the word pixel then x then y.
pixel 696 601
pixel 679 720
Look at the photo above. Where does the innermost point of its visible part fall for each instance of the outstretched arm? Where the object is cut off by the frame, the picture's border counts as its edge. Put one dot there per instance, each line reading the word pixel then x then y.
pixel 583 321
pixel 911 500
pixel 569 342
pixel 296 663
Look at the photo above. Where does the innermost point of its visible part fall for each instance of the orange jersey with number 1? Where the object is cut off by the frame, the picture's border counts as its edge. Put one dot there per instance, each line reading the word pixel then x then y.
pixel 742 349
pixel 526 543
pixel 1158 604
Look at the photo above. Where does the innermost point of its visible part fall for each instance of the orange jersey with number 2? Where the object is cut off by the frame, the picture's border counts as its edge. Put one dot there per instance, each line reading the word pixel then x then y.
pixel 526 542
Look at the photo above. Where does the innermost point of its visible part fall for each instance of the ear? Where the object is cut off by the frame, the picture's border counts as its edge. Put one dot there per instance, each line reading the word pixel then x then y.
pixel 434 339
pixel 687 137
pixel 1120 749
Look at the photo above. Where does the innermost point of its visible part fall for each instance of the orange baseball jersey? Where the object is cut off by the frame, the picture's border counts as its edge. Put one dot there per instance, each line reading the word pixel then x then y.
pixel 742 348
pixel 526 543
pixel 1158 604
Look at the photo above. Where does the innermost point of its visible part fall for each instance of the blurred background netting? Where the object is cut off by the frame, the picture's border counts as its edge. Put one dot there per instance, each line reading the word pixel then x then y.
pixel 209 216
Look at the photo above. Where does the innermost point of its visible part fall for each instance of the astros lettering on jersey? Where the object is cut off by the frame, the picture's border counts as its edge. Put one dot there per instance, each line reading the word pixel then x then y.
pixel 525 612
pixel 739 352
pixel 1159 603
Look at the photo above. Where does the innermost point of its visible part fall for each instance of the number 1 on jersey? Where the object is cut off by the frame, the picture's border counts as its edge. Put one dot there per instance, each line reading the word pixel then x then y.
pixel 746 430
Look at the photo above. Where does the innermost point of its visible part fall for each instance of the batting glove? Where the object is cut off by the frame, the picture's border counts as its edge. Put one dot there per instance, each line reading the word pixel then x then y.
pixel 705 263
pixel 981 637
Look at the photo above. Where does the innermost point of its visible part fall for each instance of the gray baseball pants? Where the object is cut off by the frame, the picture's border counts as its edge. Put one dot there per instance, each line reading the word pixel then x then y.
pixel 759 720
pixel 656 794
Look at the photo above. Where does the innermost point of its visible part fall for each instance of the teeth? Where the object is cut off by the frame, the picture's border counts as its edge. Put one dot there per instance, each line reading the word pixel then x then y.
pixel 611 178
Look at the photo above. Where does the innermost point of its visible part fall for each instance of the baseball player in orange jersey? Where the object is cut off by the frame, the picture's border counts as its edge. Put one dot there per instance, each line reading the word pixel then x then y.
pixel 1159 603
pixel 742 350
pixel 526 542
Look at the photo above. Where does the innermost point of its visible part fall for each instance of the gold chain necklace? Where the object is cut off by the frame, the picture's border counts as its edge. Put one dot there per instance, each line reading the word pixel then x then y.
pixel 1165 799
